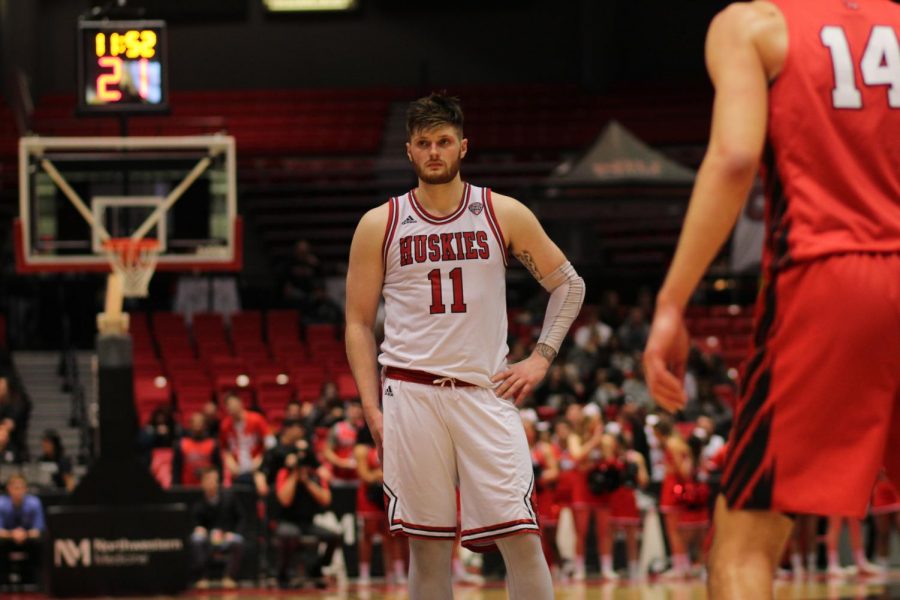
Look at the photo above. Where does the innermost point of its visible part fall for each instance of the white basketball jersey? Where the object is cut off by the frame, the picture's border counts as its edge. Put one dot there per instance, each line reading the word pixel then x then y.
pixel 445 289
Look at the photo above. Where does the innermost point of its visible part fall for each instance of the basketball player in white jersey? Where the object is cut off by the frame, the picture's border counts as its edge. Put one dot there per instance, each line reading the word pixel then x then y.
pixel 438 256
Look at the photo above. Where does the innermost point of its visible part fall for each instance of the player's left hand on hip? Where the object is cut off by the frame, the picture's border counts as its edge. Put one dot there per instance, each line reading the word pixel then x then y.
pixel 520 379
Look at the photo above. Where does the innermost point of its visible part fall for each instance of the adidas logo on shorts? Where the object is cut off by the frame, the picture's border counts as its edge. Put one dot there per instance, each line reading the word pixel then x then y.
pixel 388 391
pixel 408 220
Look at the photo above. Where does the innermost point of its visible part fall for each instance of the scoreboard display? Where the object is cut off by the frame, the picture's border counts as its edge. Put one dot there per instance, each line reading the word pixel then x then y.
pixel 122 67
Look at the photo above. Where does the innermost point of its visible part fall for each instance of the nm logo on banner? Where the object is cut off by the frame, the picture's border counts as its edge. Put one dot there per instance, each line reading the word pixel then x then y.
pixel 72 553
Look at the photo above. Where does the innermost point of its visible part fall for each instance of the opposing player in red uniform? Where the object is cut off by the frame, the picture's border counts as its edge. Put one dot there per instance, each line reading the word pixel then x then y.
pixel 812 89
pixel 438 255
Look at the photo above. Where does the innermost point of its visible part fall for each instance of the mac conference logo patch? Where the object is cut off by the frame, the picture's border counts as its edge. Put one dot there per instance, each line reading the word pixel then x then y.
pixel 476 208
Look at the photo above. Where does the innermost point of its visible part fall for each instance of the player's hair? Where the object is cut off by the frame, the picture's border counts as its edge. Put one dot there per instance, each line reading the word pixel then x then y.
pixel 434 110
pixel 206 471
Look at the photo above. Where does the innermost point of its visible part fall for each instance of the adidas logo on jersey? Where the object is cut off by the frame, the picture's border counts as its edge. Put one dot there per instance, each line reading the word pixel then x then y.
pixel 388 391
pixel 408 220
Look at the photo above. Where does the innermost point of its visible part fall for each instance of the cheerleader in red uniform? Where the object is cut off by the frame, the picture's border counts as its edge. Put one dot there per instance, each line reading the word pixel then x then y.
pixel 565 482
pixel 584 445
pixel 886 510
pixel 624 513
pixel 693 519
pixel 678 471
pixel 546 473
pixel 371 513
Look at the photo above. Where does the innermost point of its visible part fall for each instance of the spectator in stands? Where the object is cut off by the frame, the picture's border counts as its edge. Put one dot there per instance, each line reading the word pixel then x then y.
pixel 218 519
pixel 158 440
pixel 635 388
pixel 326 410
pixel 161 430
pixel 556 390
pixel 634 331
pixel 21 526
pixel 302 273
pixel 604 391
pixel 611 310
pixel 195 453
pixel 243 437
pixel 293 411
pixel 592 324
pixel 8 454
pixel 53 460
pixel 587 358
pixel 291 439
pixel 323 309
pixel 15 410
pixel 211 414
pixel 338 451
pixel 518 350
pixel 302 495
pixel 621 359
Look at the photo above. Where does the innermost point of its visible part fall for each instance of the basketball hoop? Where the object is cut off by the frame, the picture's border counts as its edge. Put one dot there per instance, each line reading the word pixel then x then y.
pixel 134 261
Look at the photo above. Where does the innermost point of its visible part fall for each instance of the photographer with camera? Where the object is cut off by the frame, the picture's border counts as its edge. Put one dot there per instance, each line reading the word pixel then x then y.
pixel 291 438
pixel 302 495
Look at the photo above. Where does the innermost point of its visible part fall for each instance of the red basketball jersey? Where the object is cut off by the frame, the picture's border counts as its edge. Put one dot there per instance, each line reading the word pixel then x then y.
pixel 832 162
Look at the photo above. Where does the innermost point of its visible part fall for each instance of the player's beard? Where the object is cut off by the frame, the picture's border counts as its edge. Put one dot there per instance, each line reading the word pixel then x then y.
pixel 442 177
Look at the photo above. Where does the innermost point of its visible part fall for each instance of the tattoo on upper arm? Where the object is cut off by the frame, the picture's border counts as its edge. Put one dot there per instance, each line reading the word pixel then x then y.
pixel 525 258
pixel 545 351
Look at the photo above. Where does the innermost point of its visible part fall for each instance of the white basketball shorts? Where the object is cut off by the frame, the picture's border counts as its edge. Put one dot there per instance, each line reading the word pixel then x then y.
pixel 438 439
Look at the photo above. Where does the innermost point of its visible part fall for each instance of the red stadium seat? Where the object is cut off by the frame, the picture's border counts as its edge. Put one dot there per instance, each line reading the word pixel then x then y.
pixel 282 325
pixel 346 387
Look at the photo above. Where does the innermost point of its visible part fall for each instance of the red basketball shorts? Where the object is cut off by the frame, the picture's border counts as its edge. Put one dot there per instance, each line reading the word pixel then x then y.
pixel 819 412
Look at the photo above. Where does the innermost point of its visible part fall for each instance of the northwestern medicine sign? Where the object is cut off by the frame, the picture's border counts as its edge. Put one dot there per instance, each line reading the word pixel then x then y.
pixel 103 552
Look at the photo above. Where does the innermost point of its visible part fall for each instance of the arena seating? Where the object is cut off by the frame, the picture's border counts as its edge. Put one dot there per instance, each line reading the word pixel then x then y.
pixel 726 330
pixel 185 367
pixel 309 165
pixel 210 358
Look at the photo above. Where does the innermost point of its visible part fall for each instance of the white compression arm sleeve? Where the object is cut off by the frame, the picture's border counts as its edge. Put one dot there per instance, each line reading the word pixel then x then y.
pixel 566 295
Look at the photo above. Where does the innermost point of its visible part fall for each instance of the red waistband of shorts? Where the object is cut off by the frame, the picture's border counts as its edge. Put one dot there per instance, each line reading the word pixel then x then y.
pixel 413 376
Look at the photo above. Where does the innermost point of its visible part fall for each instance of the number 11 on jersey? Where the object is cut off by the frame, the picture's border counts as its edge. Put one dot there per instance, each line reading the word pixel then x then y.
pixel 437 299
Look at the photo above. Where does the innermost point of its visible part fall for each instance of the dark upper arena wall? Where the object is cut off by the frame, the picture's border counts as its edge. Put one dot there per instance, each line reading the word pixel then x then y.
pixel 393 43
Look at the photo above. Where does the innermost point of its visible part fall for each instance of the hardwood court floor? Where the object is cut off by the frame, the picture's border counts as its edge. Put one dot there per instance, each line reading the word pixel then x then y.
pixel 817 589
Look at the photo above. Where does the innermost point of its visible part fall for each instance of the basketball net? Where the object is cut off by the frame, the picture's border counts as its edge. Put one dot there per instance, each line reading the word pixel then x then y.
pixel 134 261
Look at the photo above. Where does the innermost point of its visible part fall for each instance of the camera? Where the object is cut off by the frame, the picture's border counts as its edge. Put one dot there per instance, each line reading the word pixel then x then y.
pixel 304 456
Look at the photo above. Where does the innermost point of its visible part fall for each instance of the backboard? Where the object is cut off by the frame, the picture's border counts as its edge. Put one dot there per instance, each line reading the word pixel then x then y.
pixel 74 193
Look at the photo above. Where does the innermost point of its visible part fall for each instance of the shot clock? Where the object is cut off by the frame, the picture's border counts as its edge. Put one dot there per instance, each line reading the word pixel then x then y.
pixel 122 67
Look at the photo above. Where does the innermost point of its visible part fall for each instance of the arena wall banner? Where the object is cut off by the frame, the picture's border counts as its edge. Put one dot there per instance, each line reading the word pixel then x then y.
pixel 117 550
